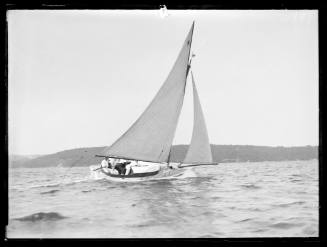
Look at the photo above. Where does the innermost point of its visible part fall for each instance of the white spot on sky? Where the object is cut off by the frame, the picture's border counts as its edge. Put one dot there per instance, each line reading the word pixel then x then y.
pixel 163 11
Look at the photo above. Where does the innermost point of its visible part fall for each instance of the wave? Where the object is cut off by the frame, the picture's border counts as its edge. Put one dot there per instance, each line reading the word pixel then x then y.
pixel 295 180
pixel 250 186
pixel 149 223
pixel 297 175
pixel 90 190
pixel 216 197
pixel 208 236
pixel 256 209
pixel 310 230
pixel 44 185
pixel 260 230
pixel 49 192
pixel 283 205
pixel 245 220
pixel 41 216
pixel 285 225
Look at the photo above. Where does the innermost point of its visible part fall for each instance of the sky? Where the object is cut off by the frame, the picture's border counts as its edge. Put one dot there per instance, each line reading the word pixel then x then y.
pixel 80 78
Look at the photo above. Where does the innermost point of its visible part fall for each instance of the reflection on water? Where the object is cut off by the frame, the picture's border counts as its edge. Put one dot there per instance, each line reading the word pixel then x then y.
pixel 264 199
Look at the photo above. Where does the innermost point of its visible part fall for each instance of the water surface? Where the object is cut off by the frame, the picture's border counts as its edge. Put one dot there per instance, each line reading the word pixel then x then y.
pixel 263 199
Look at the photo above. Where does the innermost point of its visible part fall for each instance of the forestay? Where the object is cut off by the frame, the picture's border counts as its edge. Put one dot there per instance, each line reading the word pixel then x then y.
pixel 199 150
pixel 150 137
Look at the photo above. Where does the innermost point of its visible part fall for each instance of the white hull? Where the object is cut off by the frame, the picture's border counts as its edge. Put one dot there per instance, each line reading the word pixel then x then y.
pixel 164 173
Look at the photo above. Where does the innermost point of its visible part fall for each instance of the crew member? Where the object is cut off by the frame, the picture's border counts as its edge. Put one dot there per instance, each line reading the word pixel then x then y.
pixel 129 167
pixel 121 167
pixel 104 163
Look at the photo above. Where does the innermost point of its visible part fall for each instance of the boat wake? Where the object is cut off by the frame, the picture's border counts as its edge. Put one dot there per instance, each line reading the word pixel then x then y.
pixel 61 183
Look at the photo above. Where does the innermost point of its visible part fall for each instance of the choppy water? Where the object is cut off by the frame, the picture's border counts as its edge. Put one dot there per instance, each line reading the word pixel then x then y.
pixel 265 199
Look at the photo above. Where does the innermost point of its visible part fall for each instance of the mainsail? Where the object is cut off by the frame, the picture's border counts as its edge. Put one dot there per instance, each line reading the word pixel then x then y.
pixel 151 136
pixel 199 150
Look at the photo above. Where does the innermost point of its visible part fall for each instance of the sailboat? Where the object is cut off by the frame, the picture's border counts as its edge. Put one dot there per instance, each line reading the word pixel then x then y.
pixel 149 140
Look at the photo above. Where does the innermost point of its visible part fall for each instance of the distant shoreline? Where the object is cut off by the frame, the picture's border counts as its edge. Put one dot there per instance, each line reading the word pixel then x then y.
pixel 220 153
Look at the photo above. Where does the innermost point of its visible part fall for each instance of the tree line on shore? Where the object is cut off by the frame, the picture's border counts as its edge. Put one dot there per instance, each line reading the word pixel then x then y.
pixel 220 153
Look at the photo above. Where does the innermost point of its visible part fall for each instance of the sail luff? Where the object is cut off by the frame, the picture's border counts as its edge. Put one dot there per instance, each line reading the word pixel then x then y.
pixel 151 135
pixel 199 150
pixel 187 71
pixel 189 51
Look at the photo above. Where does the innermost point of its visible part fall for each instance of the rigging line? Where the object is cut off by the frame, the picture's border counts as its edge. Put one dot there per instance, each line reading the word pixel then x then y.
pixel 210 164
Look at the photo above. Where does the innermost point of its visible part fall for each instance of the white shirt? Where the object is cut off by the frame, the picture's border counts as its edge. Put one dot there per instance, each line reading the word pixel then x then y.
pixel 133 163
pixel 104 163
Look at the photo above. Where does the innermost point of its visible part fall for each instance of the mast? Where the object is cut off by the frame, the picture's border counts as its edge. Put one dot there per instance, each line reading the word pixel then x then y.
pixel 189 59
pixel 187 71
